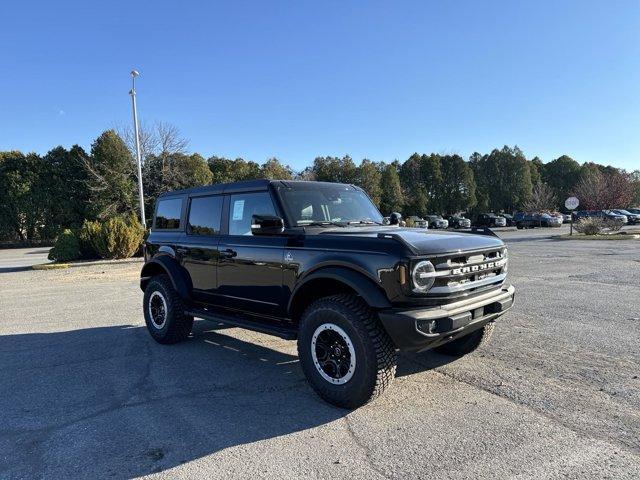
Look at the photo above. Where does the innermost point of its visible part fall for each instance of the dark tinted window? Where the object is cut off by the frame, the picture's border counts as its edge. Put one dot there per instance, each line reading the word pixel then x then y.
pixel 243 206
pixel 168 213
pixel 204 215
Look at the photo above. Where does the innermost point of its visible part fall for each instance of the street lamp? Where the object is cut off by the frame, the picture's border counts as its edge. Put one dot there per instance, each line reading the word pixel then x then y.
pixel 134 74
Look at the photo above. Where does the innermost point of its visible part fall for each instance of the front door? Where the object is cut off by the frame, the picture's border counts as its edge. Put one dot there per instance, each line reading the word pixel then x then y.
pixel 250 268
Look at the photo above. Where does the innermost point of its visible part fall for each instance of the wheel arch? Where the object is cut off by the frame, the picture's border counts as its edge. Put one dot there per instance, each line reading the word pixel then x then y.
pixel 328 281
pixel 167 265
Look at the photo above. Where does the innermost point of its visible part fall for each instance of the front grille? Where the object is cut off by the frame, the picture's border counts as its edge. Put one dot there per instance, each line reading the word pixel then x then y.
pixel 458 274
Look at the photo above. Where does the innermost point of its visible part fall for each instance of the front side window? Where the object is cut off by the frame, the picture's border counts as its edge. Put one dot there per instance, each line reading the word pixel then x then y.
pixel 168 214
pixel 204 215
pixel 328 204
pixel 243 206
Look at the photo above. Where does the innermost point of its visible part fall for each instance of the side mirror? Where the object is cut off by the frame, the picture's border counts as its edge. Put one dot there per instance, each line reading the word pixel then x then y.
pixel 266 225
pixel 395 218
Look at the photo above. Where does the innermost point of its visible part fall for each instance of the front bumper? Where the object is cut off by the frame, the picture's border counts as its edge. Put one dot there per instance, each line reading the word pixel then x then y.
pixel 419 329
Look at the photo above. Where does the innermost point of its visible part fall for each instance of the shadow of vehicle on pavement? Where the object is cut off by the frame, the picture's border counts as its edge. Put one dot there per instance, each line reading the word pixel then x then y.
pixel 109 401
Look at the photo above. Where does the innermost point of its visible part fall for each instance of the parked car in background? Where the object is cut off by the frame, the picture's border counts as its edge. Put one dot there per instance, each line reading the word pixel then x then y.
pixel 612 215
pixel 458 222
pixel 566 218
pixel 605 214
pixel 548 220
pixel 634 210
pixel 490 220
pixel 509 218
pixel 558 215
pixel 436 221
pixel 526 220
pixel 578 214
pixel 417 222
pixel 632 218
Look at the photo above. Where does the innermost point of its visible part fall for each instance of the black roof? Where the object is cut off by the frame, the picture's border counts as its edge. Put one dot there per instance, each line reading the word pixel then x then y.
pixel 245 186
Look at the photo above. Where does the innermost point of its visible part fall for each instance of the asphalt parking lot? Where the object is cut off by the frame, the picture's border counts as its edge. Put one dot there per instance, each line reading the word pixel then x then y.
pixel 87 393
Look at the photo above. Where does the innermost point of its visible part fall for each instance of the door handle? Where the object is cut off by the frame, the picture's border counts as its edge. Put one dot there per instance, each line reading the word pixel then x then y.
pixel 227 253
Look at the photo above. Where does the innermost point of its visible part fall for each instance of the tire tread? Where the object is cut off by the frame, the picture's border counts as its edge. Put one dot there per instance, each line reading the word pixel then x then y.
pixel 368 325
pixel 180 324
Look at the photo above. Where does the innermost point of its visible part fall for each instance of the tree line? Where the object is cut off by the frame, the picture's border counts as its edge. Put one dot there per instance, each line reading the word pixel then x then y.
pixel 43 194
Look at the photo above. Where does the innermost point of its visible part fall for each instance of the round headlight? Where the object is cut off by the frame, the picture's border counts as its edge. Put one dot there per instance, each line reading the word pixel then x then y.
pixel 423 276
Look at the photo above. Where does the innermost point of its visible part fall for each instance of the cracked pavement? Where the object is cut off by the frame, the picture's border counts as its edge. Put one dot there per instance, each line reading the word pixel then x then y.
pixel 87 393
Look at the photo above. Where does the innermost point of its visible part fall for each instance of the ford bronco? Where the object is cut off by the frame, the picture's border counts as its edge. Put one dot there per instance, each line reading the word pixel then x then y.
pixel 313 262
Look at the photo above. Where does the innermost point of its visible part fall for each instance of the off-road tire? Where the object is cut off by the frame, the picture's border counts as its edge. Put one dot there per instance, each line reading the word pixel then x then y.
pixel 177 326
pixel 375 352
pixel 468 343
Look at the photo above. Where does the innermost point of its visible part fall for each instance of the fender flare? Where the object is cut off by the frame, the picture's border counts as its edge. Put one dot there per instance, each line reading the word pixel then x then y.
pixel 179 276
pixel 360 283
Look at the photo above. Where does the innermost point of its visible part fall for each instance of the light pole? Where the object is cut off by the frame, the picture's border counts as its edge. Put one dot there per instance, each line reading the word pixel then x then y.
pixel 134 74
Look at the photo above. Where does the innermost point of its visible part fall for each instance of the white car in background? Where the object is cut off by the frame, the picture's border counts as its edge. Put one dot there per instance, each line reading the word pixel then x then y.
pixel 436 221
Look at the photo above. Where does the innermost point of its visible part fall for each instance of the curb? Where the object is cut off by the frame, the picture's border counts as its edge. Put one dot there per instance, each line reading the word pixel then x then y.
pixel 60 266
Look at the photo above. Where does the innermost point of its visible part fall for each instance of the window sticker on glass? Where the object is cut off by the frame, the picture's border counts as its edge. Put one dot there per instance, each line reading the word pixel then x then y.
pixel 238 208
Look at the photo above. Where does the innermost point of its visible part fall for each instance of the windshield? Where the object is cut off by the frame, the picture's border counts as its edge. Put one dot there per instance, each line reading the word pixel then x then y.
pixel 315 204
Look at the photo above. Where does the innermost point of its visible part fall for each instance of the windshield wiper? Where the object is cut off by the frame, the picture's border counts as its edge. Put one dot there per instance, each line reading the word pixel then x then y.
pixel 364 222
pixel 322 224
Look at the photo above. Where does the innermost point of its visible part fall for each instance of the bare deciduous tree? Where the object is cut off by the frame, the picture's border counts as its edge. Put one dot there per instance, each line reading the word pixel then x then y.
pixel 542 199
pixel 169 139
pixel 600 191
pixel 161 138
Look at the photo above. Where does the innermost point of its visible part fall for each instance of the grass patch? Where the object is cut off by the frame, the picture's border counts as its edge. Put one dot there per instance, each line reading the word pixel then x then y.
pixel 50 266
pixel 613 236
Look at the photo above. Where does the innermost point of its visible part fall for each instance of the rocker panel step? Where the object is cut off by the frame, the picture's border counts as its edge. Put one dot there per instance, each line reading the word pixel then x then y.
pixel 243 322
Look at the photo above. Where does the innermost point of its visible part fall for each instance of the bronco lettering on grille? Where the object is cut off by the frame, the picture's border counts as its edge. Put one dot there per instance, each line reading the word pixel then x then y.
pixel 477 268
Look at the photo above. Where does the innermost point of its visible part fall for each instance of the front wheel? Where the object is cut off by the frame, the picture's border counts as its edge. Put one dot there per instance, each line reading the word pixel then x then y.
pixel 344 352
pixel 468 343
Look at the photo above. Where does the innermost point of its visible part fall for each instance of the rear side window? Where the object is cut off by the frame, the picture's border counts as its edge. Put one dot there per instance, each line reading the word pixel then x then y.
pixel 168 214
pixel 204 216
pixel 243 206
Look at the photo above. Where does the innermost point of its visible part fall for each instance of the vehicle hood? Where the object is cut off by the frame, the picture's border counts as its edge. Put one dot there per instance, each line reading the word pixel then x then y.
pixel 420 241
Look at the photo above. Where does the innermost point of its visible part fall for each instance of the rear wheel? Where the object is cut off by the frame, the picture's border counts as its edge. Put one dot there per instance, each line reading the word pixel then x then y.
pixel 164 312
pixel 345 353
pixel 468 343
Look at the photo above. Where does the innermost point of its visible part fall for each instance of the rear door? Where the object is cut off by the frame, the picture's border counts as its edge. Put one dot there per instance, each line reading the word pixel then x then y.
pixel 199 251
pixel 250 268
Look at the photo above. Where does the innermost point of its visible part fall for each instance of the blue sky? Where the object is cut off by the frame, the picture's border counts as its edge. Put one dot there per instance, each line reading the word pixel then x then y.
pixel 298 79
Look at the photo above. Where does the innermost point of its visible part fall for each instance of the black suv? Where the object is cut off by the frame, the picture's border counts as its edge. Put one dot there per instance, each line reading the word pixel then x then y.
pixel 490 220
pixel 312 261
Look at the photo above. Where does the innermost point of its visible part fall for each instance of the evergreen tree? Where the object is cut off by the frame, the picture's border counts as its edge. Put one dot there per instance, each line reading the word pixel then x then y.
pixel 111 177
pixel 67 193
pixel 458 186
pixel 274 170
pixel 334 169
pixel 503 179
pixel 391 190
pixel 22 209
pixel 368 178
pixel 562 175
pixel 225 170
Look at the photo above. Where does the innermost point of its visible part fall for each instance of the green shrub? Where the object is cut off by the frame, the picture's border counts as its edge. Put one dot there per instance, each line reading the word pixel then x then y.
pixel 117 237
pixel 66 247
pixel 589 225
pixel 87 233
